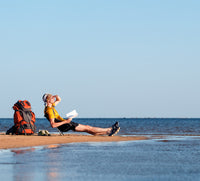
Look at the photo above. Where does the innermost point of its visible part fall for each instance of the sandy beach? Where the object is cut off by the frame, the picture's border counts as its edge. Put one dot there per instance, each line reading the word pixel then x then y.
pixel 18 141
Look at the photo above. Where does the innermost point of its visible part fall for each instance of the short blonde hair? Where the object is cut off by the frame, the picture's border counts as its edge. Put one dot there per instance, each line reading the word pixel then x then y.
pixel 48 97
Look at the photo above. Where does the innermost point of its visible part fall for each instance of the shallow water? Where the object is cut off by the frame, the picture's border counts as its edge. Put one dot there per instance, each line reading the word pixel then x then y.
pixel 169 158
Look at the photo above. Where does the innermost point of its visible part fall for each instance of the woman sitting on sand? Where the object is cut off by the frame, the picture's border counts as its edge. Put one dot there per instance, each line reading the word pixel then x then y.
pixel 65 125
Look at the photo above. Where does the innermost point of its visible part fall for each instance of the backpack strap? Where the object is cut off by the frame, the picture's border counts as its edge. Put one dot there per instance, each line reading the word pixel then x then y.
pixel 27 117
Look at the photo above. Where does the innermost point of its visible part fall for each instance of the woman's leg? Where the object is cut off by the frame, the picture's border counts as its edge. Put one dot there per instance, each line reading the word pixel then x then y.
pixel 93 130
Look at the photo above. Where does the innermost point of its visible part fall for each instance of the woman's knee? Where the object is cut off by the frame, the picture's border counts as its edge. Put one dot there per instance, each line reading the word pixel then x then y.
pixel 81 127
pixel 88 127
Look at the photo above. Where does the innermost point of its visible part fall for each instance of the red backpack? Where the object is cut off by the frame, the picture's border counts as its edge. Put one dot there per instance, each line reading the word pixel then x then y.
pixel 24 118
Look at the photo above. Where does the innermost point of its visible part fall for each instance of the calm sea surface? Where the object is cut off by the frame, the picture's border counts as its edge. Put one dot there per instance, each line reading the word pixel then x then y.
pixel 174 156
pixel 134 126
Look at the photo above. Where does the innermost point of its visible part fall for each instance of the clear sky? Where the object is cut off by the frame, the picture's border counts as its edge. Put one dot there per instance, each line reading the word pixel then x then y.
pixel 105 58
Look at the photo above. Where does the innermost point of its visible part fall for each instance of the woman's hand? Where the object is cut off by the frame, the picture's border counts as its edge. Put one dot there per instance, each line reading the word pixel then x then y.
pixel 58 99
pixel 68 120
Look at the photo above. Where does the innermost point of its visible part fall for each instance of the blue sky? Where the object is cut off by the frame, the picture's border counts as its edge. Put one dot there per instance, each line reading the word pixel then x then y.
pixel 104 58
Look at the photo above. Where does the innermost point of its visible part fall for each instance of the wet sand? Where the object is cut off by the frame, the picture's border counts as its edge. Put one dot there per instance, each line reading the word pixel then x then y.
pixel 19 141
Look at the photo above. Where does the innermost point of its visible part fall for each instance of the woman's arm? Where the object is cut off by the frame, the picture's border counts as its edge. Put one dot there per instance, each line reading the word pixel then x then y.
pixel 58 99
pixel 55 125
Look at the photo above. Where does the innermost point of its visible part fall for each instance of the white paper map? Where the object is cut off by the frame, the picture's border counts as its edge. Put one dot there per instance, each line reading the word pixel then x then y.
pixel 72 114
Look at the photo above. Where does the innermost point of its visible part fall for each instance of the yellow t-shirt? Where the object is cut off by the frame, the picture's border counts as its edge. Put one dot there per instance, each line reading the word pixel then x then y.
pixel 51 113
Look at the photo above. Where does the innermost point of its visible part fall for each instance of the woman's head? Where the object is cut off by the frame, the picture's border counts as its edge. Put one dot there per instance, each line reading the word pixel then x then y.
pixel 47 98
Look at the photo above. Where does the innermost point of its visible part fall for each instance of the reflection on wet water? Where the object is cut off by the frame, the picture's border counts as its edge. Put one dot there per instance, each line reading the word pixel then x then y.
pixel 21 151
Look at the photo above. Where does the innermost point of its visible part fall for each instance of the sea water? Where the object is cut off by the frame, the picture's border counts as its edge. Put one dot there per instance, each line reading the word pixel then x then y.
pixel 173 156
pixel 130 126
